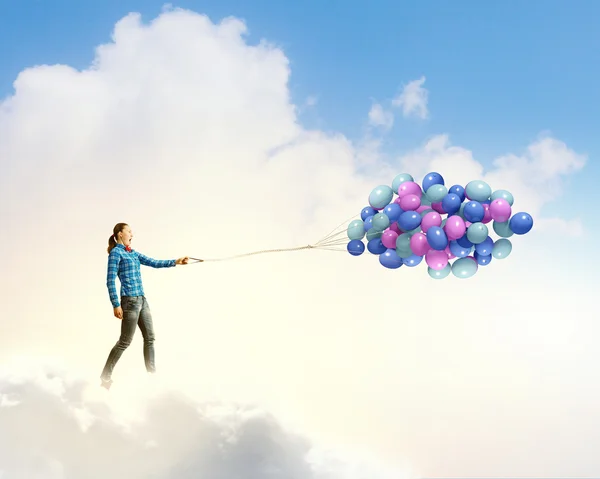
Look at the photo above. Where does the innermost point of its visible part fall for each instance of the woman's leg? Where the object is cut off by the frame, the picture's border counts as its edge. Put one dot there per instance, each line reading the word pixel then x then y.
pixel 147 328
pixel 131 311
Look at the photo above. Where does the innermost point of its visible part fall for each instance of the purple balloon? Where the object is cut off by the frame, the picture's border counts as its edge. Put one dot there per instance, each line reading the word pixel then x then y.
pixel 422 208
pixel 388 238
pixel 455 227
pixel 430 219
pixel 449 253
pixel 410 202
pixel 419 244
pixel 438 207
pixel 395 228
pixel 500 210
pixel 409 188
pixel 436 260
pixel 487 216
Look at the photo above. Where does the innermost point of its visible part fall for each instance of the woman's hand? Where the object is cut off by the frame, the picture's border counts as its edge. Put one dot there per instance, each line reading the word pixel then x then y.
pixel 183 260
pixel 118 311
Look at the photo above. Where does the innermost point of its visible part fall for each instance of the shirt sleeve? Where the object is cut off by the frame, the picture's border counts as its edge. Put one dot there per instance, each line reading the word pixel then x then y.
pixel 156 263
pixel 111 275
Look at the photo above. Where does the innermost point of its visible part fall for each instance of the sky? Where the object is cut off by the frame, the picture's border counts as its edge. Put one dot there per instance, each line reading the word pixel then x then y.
pixel 220 128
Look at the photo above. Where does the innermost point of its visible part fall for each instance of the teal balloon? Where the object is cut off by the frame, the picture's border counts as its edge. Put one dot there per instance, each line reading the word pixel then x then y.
pixel 404 252
pixel 425 201
pixel 477 233
pixel 502 229
pixel 436 193
pixel 464 268
pixel 381 221
pixel 403 241
pixel 461 211
pixel 503 194
pixel 478 190
pixel 415 231
pixel 373 234
pixel 381 196
pixel 444 222
pixel 399 179
pixel 356 230
pixel 502 248
pixel 439 274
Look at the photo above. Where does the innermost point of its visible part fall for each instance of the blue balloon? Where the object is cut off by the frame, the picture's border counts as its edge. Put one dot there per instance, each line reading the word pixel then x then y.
pixel 393 211
pixel 521 223
pixel 460 251
pixel 458 191
pixel 485 248
pixel 431 179
pixel 486 202
pixel 409 220
pixel 483 259
pixel 356 247
pixel 451 203
pixel 368 223
pixel 366 212
pixel 390 259
pixel 474 211
pixel 412 261
pixel 464 241
pixel 437 239
pixel 375 246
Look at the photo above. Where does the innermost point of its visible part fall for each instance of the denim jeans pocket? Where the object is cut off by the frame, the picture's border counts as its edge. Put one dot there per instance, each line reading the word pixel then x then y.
pixel 129 303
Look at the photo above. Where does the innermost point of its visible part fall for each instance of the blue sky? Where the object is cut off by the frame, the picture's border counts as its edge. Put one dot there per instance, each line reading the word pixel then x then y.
pixel 498 73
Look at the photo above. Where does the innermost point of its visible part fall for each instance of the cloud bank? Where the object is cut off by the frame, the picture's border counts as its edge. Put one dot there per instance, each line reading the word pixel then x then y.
pixel 53 427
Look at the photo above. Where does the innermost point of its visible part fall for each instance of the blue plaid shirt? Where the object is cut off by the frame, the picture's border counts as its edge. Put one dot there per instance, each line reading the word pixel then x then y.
pixel 126 265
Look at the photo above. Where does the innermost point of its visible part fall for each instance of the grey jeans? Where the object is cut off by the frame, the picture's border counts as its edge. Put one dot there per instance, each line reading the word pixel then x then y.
pixel 136 312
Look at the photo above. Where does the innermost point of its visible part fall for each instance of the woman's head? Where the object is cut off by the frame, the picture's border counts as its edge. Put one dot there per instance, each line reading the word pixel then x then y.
pixel 121 234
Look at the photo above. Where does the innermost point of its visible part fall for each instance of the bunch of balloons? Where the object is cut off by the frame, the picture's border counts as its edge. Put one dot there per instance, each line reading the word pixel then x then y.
pixel 406 222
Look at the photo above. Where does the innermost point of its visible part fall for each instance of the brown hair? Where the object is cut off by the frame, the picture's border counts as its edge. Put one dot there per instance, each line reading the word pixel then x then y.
pixel 112 242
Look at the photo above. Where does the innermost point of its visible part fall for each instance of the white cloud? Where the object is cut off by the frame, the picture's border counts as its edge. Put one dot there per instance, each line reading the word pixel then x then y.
pixel 413 99
pixel 535 178
pixel 380 117
pixel 172 436
pixel 188 133
pixel 311 100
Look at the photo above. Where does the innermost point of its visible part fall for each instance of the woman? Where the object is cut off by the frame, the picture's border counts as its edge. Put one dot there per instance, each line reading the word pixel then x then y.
pixel 133 310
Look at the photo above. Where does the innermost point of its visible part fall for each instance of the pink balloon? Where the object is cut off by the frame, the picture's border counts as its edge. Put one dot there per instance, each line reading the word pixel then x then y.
pixel 500 210
pixel 468 223
pixel 388 238
pixel 430 219
pixel 422 208
pixel 438 207
pixel 419 244
pixel 395 228
pixel 436 260
pixel 409 188
pixel 449 253
pixel 487 217
pixel 455 227
pixel 410 202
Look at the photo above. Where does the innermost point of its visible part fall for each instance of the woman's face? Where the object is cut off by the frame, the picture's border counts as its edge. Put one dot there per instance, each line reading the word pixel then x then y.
pixel 126 236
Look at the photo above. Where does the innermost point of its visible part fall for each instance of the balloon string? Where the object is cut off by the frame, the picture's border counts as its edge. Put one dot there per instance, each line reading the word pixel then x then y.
pixel 327 243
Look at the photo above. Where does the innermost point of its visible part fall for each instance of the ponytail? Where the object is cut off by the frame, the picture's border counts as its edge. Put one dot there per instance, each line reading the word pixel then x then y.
pixel 112 240
pixel 111 243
